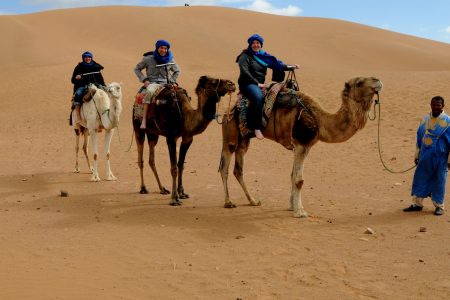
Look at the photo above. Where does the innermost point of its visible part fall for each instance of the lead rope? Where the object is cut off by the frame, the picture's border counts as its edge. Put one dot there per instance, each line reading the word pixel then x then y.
pixel 132 131
pixel 228 111
pixel 377 103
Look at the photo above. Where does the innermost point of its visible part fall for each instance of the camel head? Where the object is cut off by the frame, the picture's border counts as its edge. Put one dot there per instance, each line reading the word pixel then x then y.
pixel 114 90
pixel 360 91
pixel 213 87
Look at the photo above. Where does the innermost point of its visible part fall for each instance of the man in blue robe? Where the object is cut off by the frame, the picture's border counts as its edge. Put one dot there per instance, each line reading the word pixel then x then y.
pixel 432 149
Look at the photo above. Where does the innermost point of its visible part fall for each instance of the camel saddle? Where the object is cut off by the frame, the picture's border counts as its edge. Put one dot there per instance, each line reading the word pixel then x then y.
pixel 164 113
pixel 277 96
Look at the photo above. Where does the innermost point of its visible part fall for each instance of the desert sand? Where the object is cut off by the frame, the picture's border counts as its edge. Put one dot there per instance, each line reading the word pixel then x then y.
pixel 107 241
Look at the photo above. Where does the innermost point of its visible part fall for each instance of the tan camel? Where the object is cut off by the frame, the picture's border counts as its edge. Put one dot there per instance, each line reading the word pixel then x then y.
pixel 100 112
pixel 178 119
pixel 299 128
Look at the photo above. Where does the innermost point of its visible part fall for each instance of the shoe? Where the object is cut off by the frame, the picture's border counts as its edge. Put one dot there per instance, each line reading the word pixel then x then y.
pixel 413 207
pixel 259 134
pixel 439 211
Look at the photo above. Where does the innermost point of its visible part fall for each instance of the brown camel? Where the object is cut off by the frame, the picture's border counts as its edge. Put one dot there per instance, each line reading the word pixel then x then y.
pixel 299 128
pixel 179 119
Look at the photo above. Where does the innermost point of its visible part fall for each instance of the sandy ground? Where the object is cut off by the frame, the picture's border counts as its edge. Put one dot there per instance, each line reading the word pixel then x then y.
pixel 106 241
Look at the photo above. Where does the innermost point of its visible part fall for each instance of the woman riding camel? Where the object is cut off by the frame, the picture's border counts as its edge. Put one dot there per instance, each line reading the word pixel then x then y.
pixel 253 63
pixel 85 73
pixel 161 69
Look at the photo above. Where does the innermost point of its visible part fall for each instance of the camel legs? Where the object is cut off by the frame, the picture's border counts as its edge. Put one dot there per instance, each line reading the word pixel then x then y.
pixel 78 132
pixel 239 170
pixel 172 145
pixel 225 160
pixel 139 136
pixel 185 144
pixel 300 154
pixel 152 141
pixel 108 137
pixel 77 149
pixel 85 148
pixel 227 153
pixel 93 135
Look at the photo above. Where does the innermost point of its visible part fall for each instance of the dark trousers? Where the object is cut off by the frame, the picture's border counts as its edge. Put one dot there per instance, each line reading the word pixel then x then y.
pixel 78 99
pixel 255 96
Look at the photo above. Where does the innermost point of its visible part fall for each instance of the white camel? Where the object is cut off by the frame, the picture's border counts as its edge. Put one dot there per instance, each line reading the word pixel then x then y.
pixel 101 112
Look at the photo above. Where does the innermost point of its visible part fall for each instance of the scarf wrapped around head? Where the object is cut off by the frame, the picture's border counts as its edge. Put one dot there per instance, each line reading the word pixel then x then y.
pixel 162 59
pixel 263 57
pixel 87 54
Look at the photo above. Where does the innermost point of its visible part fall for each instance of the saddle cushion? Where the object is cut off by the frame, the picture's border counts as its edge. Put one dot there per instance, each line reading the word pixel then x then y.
pixel 278 96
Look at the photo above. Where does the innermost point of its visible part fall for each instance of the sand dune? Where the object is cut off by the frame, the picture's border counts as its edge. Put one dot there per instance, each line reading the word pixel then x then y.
pixel 106 241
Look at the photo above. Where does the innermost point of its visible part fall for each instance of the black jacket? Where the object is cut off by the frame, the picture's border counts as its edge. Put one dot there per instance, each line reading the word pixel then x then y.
pixel 252 72
pixel 81 69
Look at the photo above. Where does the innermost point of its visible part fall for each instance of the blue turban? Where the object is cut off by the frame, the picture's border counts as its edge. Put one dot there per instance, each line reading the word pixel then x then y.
pixel 162 59
pixel 255 37
pixel 87 54
pixel 160 43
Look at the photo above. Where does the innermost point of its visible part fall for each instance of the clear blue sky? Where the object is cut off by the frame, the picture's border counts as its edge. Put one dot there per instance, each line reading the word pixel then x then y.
pixel 424 18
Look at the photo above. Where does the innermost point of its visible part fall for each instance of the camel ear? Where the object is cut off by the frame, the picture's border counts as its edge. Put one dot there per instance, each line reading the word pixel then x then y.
pixel 346 90
pixel 359 82
pixel 202 81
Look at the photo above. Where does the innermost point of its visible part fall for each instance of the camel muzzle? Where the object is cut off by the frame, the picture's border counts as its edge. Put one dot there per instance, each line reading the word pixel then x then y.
pixel 379 86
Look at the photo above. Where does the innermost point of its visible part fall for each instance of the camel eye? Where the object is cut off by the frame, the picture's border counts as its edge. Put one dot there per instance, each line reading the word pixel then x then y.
pixel 347 86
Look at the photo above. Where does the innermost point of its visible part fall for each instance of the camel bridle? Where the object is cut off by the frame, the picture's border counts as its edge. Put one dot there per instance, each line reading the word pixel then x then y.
pixel 215 91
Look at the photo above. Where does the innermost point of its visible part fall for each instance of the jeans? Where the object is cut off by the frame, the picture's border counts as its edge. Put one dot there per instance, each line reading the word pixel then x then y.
pixel 78 99
pixel 255 96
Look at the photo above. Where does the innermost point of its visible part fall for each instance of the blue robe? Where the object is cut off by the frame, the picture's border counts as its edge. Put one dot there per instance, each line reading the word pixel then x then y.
pixel 433 140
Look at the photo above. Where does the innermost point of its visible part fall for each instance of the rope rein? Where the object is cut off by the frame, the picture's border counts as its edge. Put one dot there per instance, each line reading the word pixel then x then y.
pixel 377 103
pixel 132 131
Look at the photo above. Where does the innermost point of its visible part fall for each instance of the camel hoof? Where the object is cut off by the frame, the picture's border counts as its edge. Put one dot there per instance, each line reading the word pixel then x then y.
pixel 163 191
pixel 301 214
pixel 183 196
pixel 143 190
pixel 255 203
pixel 95 178
pixel 229 205
pixel 175 203
pixel 111 178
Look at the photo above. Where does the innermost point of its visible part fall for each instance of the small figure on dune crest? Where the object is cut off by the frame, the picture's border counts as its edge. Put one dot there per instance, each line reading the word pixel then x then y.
pixel 431 158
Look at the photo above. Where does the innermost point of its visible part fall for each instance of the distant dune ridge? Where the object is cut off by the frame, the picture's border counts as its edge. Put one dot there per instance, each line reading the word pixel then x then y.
pixel 106 241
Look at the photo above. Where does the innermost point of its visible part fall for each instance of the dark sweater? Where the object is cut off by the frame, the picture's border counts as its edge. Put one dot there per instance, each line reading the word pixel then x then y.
pixel 96 78
pixel 252 72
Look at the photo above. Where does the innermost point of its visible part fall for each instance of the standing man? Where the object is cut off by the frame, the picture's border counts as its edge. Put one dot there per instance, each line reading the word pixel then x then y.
pixel 432 149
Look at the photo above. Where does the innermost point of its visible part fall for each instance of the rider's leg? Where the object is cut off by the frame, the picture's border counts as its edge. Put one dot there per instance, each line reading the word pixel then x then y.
pixel 255 95
pixel 144 117
pixel 78 101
